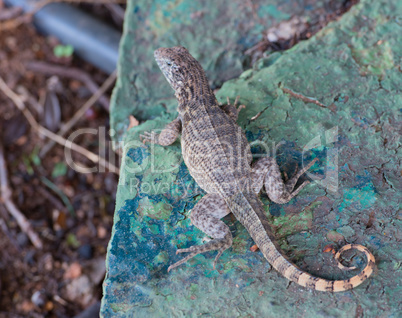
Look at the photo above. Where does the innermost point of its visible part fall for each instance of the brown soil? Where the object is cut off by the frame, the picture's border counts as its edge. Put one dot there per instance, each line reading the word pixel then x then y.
pixel 35 282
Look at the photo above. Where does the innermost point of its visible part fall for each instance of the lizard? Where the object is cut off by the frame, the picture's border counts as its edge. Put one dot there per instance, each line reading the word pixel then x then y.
pixel 218 156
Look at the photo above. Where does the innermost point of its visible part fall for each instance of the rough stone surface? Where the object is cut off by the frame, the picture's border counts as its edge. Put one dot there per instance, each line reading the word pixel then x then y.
pixel 217 33
pixel 353 67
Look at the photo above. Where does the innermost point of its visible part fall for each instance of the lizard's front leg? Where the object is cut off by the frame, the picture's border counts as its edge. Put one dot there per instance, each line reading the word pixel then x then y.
pixel 266 171
pixel 168 135
pixel 206 216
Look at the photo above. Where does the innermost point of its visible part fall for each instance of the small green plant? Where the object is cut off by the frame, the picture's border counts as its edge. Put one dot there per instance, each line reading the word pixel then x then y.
pixel 72 241
pixel 60 169
pixel 63 50
pixel 31 160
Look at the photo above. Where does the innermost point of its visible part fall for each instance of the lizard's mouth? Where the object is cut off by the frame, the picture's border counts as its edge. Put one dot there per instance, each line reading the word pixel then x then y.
pixel 157 53
pixel 162 53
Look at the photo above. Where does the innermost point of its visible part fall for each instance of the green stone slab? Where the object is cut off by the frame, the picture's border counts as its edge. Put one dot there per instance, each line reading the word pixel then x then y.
pixel 353 67
pixel 217 33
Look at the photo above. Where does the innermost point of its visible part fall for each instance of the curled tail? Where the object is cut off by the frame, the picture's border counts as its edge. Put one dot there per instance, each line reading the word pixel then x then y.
pixel 249 211
pixel 291 272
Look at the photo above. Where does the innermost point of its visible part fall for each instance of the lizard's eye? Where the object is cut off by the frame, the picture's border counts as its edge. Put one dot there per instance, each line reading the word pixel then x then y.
pixel 168 64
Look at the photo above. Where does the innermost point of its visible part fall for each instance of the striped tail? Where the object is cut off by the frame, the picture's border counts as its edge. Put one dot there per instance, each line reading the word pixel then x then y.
pixel 249 211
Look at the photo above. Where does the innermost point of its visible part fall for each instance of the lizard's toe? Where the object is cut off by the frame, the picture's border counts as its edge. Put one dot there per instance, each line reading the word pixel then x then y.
pixel 148 137
pixel 221 245
pixel 217 257
pixel 185 250
pixel 240 106
pixel 182 261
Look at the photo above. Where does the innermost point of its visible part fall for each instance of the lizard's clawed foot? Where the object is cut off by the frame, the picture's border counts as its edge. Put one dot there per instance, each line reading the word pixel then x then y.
pixel 150 137
pixel 238 109
pixel 277 190
pixel 217 244
pixel 232 110
pixel 286 177
pixel 290 184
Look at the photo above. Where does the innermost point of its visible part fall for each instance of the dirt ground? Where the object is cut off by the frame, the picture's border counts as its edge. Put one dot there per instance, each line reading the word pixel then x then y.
pixel 70 211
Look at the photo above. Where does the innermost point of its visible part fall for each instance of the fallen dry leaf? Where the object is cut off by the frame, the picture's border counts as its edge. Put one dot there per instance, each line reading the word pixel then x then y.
pixel 133 122
pixel 254 248
pixel 328 249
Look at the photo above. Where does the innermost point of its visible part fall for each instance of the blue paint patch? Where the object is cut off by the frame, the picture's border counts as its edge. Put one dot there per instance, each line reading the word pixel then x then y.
pixel 275 209
pixel 376 242
pixel 138 154
pixel 360 120
pixel 252 137
pixel 136 239
pixel 156 180
pixel 364 181
pixel 273 11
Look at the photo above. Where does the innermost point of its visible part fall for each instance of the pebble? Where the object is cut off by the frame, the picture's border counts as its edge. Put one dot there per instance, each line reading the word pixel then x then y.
pixel 85 251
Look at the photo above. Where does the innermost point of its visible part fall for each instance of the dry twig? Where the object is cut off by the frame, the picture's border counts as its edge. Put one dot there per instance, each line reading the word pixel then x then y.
pixel 22 221
pixel 11 13
pixel 257 115
pixel 4 227
pixel 52 199
pixel 70 72
pixel 47 133
pixel 303 98
pixel 117 12
pixel 81 112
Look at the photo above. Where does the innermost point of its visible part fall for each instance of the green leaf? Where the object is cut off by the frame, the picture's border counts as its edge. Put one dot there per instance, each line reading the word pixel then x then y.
pixel 28 166
pixel 72 240
pixel 60 169
pixel 63 50
pixel 35 157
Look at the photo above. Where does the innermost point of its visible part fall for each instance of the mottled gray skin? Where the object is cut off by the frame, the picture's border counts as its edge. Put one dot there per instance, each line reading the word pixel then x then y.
pixel 218 157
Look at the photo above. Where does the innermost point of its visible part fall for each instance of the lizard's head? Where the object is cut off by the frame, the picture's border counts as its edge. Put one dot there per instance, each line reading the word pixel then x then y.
pixel 177 65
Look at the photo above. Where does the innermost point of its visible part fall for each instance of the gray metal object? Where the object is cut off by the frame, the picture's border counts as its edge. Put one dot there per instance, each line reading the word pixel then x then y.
pixel 93 40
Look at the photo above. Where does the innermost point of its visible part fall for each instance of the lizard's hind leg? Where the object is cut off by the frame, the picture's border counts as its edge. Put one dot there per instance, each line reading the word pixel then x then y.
pixel 266 171
pixel 206 216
